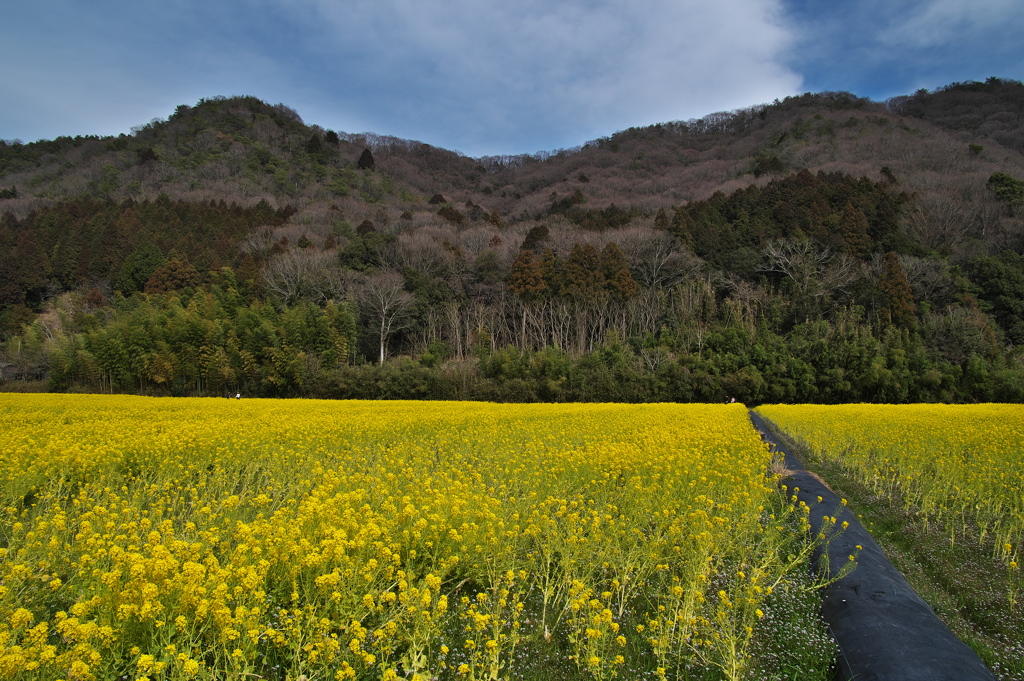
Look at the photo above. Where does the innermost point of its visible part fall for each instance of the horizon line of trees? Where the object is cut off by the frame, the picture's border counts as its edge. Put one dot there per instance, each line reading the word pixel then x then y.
pixel 806 288
pixel 212 341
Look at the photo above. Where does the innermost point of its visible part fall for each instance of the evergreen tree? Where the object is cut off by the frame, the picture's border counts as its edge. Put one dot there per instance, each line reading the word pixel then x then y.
pixel 1007 188
pixel 853 227
pixel 526 279
pixel 618 279
pixel 138 268
pixel 896 292
pixel 661 220
pixel 582 275
pixel 537 236
pixel 366 161
pixel 174 275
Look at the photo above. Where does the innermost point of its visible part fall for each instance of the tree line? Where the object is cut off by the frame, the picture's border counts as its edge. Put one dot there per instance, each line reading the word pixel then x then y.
pixel 801 289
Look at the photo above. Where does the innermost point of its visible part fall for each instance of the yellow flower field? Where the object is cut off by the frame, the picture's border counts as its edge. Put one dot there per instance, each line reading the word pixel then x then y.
pixel 961 466
pixel 150 538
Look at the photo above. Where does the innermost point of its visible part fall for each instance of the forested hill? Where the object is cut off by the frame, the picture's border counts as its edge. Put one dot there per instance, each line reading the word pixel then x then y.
pixel 821 248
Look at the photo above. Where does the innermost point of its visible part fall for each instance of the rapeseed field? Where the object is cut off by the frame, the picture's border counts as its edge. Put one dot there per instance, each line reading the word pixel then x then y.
pixel 961 466
pixel 158 538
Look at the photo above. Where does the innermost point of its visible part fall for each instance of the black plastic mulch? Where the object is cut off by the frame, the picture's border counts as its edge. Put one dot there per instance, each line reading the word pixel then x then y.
pixel 884 630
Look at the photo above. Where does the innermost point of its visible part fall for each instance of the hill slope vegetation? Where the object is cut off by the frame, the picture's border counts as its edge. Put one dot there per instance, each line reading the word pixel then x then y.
pixel 824 248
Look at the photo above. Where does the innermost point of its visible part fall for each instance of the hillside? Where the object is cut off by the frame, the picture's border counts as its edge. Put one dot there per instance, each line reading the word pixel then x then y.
pixel 704 258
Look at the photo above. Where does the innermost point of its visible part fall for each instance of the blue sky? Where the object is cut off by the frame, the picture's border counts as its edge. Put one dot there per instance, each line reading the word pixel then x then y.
pixel 481 76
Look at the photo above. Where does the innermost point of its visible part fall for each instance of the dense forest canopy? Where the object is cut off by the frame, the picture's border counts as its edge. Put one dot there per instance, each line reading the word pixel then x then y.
pixel 823 248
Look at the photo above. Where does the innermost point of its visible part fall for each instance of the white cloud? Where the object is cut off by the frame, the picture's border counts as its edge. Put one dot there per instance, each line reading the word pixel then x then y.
pixel 484 76
pixel 557 67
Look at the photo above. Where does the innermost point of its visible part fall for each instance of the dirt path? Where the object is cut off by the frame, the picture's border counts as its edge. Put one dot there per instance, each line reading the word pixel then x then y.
pixel 885 631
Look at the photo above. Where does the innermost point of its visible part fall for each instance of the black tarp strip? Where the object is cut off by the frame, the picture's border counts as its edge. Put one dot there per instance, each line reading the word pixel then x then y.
pixel 884 630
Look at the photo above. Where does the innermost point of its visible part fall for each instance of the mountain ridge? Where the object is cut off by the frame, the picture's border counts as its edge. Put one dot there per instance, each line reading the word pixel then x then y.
pixel 899 214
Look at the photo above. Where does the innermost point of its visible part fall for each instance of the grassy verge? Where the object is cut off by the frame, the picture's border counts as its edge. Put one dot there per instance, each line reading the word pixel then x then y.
pixel 957 576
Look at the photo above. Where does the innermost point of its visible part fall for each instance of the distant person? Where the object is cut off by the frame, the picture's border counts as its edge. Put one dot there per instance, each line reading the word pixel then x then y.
pixel 238 396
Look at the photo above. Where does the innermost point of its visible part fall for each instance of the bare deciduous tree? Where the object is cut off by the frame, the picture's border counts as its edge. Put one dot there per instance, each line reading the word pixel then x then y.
pixel 425 250
pixel 743 303
pixel 941 220
pixel 387 303
pixel 284 275
pixel 304 273
pixel 929 278
pixel 813 270
pixel 656 258
pixel 259 240
pixel 332 281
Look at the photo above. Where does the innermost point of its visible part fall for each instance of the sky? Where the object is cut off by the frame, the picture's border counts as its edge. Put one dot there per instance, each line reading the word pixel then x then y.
pixel 483 77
